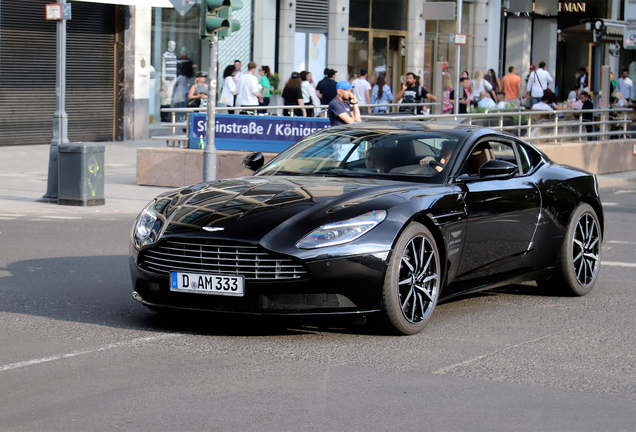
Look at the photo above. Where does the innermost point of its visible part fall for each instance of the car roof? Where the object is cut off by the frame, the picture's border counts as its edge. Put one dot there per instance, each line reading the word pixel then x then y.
pixel 391 126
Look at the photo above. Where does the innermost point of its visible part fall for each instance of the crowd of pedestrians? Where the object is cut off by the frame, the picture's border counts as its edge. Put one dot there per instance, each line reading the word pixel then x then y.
pixel 250 91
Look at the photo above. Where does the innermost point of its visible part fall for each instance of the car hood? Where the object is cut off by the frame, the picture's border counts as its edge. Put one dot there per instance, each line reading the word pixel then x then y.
pixel 250 207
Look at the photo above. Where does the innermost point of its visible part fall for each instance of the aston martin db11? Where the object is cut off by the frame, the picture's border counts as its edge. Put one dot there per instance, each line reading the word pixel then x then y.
pixel 375 219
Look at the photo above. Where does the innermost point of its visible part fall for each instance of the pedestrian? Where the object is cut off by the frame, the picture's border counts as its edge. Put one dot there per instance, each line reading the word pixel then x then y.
pixel 572 97
pixel 413 93
pixel 293 95
pixel 362 90
pixel 464 99
pixel 465 75
pixel 501 101
pixel 478 85
pixel 485 101
pixel 494 80
pixel 625 86
pixel 228 94
pixel 613 89
pixel 198 94
pixel 620 100
pixel 381 92
pixel 237 71
pixel 180 95
pixel 582 82
pixel 248 92
pixel 578 104
pixel 263 100
pixel 309 93
pixel 340 109
pixel 448 88
pixel 326 88
pixel 543 104
pixel 538 82
pixel 587 105
pixel 511 84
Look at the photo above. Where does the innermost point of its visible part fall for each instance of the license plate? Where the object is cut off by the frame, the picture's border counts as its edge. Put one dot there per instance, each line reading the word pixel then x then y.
pixel 207 284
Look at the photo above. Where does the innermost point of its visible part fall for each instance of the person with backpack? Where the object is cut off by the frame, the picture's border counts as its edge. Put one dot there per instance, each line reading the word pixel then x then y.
pixel 538 82
pixel 413 93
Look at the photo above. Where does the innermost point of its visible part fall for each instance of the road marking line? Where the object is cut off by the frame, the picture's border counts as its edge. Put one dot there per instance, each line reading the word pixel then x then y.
pixel 88 351
pixel 447 368
pixel 618 264
pixel 10 215
pixel 624 191
pixel 62 217
pixel 7 218
pixel 620 242
pixel 609 204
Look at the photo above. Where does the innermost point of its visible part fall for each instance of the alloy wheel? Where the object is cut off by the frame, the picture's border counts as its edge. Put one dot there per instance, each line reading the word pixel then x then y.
pixel 418 279
pixel 586 249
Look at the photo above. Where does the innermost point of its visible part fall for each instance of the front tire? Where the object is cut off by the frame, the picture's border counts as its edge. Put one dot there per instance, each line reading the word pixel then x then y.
pixel 413 281
pixel 580 257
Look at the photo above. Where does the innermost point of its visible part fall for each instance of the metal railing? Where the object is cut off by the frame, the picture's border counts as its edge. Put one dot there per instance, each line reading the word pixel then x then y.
pixel 530 125
pixel 539 125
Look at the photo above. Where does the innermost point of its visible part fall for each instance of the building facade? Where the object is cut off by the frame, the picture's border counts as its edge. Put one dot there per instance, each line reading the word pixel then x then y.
pixel 129 58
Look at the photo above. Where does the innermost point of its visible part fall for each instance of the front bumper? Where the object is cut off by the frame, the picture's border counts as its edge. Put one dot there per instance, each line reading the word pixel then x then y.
pixel 348 285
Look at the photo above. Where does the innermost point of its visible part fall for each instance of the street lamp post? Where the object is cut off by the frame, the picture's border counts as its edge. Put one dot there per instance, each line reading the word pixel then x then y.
pixel 458 90
pixel 60 118
pixel 209 152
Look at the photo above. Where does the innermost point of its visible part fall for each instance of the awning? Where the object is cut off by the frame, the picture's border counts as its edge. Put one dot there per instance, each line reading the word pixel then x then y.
pixel 147 3
pixel 614 31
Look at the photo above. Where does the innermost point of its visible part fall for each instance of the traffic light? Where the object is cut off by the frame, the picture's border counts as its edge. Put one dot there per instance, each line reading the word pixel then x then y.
pixel 227 14
pixel 211 19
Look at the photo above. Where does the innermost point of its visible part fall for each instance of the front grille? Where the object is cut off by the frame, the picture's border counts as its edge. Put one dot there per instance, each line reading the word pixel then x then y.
pixel 252 262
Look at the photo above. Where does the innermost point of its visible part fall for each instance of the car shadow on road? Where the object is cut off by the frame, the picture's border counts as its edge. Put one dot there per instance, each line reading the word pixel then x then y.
pixel 97 290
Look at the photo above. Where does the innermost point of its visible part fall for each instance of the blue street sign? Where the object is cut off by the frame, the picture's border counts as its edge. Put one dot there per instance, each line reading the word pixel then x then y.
pixel 254 133
pixel 66 11
pixel 451 38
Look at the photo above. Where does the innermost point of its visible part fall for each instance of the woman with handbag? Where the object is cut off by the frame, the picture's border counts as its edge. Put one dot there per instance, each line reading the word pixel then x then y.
pixel 198 95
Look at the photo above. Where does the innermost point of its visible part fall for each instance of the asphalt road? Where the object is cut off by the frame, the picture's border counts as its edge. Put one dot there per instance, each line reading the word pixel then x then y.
pixel 78 353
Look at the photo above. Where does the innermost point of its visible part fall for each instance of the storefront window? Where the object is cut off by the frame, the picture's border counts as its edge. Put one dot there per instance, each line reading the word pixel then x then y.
pixel 358 52
pixel 176 57
pixel 359 13
pixel 389 14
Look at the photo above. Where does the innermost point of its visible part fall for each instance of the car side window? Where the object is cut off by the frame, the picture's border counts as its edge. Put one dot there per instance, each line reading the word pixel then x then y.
pixel 528 158
pixel 486 150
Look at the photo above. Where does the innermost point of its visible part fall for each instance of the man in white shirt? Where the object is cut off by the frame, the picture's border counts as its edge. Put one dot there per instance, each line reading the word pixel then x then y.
pixel 501 101
pixel 543 105
pixel 248 88
pixel 485 100
pixel 362 89
pixel 625 86
pixel 538 82
pixel 237 70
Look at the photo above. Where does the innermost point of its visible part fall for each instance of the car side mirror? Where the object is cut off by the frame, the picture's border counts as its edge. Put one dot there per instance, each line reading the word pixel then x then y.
pixel 466 178
pixel 253 161
pixel 498 169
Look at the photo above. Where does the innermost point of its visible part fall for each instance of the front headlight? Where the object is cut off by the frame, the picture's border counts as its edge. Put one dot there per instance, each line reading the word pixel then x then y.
pixel 145 222
pixel 341 232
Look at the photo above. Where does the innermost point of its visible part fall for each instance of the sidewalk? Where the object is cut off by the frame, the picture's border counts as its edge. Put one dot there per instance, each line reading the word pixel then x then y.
pixel 24 171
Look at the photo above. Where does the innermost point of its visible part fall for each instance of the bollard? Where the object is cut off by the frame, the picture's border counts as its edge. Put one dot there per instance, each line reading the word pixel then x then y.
pixel 81 174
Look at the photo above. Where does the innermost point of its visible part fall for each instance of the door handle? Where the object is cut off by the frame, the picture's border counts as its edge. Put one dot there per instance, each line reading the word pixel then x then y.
pixel 530 197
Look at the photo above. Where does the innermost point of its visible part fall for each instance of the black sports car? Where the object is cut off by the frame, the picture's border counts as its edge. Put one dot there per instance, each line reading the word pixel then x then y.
pixel 377 218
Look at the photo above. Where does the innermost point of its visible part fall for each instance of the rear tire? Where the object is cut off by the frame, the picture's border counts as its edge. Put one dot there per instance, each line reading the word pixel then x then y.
pixel 579 260
pixel 412 282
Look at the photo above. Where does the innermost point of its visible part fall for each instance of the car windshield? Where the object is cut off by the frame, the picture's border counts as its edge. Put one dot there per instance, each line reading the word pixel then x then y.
pixel 410 155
